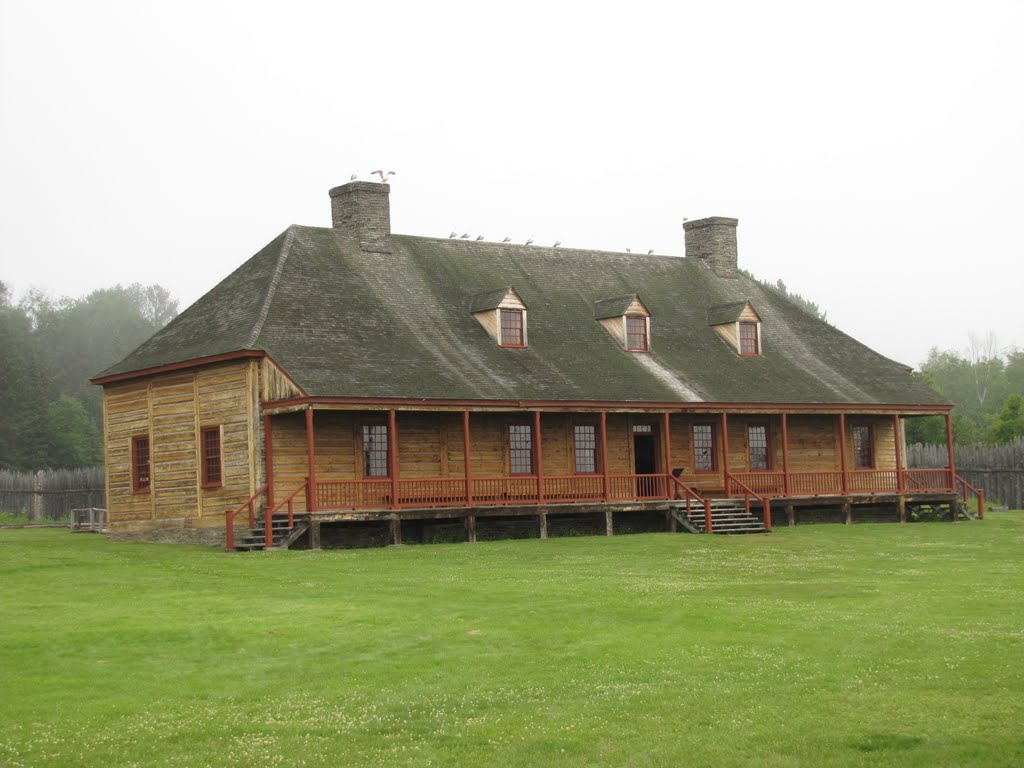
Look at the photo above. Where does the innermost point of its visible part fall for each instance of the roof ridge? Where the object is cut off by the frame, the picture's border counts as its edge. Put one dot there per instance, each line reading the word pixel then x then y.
pixel 272 288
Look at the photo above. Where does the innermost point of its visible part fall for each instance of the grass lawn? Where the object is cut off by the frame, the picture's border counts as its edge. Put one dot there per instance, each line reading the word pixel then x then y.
pixel 868 645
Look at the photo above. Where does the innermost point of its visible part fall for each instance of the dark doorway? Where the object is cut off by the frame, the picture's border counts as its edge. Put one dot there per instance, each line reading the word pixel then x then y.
pixel 645 457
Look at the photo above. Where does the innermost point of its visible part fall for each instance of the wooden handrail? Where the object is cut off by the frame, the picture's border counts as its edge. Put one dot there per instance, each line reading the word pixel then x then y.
pixel 231 514
pixel 691 493
pixel 979 494
pixel 766 502
pixel 269 512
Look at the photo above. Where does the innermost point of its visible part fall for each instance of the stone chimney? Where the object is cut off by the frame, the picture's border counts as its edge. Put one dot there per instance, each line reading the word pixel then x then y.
pixel 363 209
pixel 713 242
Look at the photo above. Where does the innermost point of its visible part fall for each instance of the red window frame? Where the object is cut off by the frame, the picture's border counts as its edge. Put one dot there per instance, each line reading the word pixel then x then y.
pixel 512 327
pixel 748 340
pixel 705 448
pixel 374 450
pixel 759 437
pixel 585 449
pixel 520 449
pixel 142 477
pixel 863 446
pixel 211 455
pixel 636 334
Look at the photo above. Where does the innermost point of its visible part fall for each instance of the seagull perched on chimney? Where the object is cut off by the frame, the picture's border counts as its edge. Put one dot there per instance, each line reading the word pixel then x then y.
pixel 557 243
pixel 529 240
pixel 383 176
pixel 353 177
pixel 629 250
pixel 650 251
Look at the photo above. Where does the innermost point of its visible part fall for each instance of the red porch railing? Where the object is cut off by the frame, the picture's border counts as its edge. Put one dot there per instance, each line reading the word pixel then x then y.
pixel 268 514
pixel 733 482
pixel 979 494
pixel 690 495
pixel 231 514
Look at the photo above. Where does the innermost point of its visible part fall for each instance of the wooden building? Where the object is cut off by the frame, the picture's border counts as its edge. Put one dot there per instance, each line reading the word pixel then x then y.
pixel 376 385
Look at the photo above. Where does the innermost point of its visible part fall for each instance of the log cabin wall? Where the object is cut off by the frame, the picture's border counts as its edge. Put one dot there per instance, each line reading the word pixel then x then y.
pixel 171 409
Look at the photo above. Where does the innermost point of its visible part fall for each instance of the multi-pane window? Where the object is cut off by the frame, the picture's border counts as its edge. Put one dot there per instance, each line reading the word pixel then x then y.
pixel 211 456
pixel 757 446
pixel 520 449
pixel 586 448
pixel 512 328
pixel 748 339
pixel 704 447
pixel 636 333
pixel 375 450
pixel 863 455
pixel 140 464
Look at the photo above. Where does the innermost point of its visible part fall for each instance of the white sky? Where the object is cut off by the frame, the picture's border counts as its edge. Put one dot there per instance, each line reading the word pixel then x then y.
pixel 872 152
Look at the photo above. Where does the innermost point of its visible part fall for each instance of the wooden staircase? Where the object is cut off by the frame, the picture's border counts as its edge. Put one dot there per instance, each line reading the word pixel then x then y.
pixel 282 536
pixel 727 516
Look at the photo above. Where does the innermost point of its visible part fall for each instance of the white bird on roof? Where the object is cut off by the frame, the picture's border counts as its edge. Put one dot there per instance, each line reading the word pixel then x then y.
pixel 508 239
pixel 650 251
pixel 629 250
pixel 557 243
pixel 479 237
pixel 353 177
pixel 464 236
pixel 383 176
pixel 529 240
pixel 452 234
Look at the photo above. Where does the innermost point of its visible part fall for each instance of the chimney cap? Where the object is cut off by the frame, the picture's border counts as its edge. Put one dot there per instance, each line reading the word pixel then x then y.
pixel 710 221
pixel 360 186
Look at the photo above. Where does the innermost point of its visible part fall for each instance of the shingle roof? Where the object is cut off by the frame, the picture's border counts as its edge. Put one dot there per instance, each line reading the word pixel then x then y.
pixel 613 307
pixel 343 322
pixel 482 302
pixel 726 313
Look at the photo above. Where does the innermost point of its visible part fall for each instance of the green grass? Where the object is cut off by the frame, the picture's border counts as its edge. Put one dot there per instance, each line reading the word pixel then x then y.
pixel 869 645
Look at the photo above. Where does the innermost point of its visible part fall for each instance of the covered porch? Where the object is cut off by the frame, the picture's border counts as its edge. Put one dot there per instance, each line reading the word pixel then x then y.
pixel 336 461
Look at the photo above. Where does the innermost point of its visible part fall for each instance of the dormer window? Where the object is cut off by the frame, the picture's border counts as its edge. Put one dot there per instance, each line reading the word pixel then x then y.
pixel 502 313
pixel 511 328
pixel 628 320
pixel 748 339
pixel 636 333
pixel 739 326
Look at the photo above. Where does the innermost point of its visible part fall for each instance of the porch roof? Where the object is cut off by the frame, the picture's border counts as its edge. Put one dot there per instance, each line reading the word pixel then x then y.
pixel 347 323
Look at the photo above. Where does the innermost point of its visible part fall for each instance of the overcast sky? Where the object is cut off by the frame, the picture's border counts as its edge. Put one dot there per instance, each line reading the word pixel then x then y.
pixel 871 151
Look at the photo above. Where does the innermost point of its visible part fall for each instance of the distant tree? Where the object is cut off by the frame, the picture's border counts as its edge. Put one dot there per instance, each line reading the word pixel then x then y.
pixel 1009 425
pixel 22 392
pixel 74 440
pixel 780 288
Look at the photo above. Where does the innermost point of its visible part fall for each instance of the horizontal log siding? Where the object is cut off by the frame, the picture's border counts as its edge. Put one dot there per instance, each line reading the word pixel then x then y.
pixel 170 409
pixel 813 443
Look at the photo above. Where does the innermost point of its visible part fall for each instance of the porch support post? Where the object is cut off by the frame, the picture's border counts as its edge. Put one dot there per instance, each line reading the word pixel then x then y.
pixel 901 509
pixel 540 457
pixel 268 458
pixel 725 451
pixel 899 455
pixel 314 534
pixel 393 456
pixel 949 448
pixel 542 524
pixel 603 423
pixel 470 523
pixel 395 529
pixel 310 463
pixel 609 528
pixel 785 457
pixel 842 450
pixel 465 458
pixel 669 488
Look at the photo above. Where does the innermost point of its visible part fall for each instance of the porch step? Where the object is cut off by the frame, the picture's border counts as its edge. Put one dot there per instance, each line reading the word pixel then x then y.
pixel 728 516
pixel 281 535
pixel 964 510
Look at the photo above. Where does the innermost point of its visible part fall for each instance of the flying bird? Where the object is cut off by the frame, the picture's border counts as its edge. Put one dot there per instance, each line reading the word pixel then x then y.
pixel 507 239
pixel 383 176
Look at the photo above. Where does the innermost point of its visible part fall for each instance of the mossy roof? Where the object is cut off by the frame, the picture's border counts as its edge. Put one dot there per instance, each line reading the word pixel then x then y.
pixel 348 323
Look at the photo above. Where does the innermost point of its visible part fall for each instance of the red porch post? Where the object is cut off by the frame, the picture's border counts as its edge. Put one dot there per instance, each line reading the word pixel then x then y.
pixel 310 463
pixel 669 488
pixel 604 454
pixel 393 456
pixel 842 450
pixel 785 456
pixel 899 452
pixel 540 457
pixel 465 457
pixel 949 448
pixel 268 458
pixel 725 451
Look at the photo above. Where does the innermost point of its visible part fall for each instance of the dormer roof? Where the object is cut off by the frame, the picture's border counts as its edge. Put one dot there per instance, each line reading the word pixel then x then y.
pixel 617 307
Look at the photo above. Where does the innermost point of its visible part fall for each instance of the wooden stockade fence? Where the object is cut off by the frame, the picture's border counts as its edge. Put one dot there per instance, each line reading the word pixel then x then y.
pixel 998 469
pixel 48 496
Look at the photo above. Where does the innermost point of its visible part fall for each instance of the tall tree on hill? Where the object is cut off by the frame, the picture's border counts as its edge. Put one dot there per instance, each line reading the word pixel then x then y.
pixel 22 391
